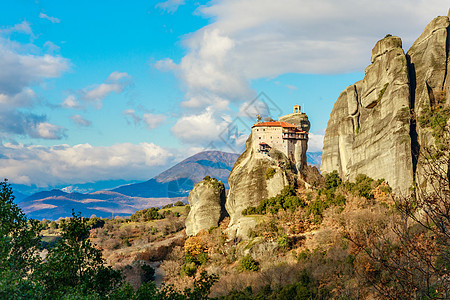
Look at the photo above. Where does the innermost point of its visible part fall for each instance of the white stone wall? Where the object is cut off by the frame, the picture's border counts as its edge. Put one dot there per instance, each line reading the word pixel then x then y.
pixel 269 135
pixel 273 136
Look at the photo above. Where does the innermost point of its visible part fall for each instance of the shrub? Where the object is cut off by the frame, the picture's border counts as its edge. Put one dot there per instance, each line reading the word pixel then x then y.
pixel 148 273
pixel 363 186
pixel 202 258
pixel 270 172
pixel 284 242
pixel 248 263
pixel 178 203
pixel 317 207
pixel 95 222
pixel 53 225
pixel 332 181
pixel 168 206
pixel 147 214
pixel 287 199
pixel 189 269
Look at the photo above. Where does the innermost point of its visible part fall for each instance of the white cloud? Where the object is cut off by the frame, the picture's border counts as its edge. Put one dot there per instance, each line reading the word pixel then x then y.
pixel 23 27
pixel 22 70
pixel 80 163
pixel 153 120
pixel 116 82
pixel 51 47
pixel 51 19
pixel 71 102
pixel 208 72
pixel 200 128
pixel 254 39
pixel 80 121
pixel 102 90
pixel 131 113
pixel 166 64
pixel 170 6
pixel 48 131
pixel 116 76
pixel 15 122
pixel 22 99
pixel 315 143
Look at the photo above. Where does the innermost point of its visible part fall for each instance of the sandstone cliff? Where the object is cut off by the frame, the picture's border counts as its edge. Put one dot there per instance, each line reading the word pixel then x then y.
pixel 207 201
pixel 302 122
pixel 368 130
pixel 250 182
pixel 430 87
pixel 372 128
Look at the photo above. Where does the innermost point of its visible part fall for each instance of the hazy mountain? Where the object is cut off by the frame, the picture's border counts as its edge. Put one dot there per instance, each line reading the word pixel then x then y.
pixel 171 185
pixel 21 191
pixel 181 178
pixel 314 158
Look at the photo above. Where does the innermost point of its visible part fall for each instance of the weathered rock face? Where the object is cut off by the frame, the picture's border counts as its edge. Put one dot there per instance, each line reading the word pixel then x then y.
pixel 368 130
pixel 249 185
pixel 371 129
pixel 207 201
pixel 429 65
pixel 301 147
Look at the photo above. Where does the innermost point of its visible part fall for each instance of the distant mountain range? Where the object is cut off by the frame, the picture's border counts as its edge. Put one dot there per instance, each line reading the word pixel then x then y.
pixel 169 186
pixel 314 158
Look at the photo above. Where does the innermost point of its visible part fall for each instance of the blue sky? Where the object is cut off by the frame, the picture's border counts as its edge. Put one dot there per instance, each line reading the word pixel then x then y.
pixel 102 90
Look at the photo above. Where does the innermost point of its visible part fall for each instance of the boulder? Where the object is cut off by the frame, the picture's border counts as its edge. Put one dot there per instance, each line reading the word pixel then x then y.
pixel 207 201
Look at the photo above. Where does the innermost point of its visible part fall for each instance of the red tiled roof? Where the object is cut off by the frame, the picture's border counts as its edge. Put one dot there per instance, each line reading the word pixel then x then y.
pixel 263 144
pixel 275 124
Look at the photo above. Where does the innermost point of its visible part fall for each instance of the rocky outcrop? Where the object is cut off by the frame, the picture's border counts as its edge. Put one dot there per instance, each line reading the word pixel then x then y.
pixel 300 120
pixel 429 65
pixel 250 182
pixel 372 128
pixel 207 201
pixel 369 127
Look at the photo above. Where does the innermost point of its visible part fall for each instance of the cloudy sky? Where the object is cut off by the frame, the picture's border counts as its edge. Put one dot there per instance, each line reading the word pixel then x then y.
pixel 100 90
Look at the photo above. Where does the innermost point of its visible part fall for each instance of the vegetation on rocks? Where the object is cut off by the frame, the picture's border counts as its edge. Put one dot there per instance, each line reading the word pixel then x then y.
pixel 287 199
pixel 270 172
pixel 436 118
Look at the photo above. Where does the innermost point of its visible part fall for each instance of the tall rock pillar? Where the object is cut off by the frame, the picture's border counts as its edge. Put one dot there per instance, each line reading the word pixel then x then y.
pixel 369 127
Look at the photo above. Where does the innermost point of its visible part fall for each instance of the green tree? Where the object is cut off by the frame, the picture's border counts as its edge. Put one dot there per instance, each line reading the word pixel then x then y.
pixel 19 249
pixel 74 265
pixel 332 181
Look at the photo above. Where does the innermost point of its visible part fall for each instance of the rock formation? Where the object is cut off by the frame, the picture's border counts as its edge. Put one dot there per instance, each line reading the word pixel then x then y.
pixel 207 201
pixel 372 128
pixel 301 120
pixel 275 154
pixel 429 66
pixel 249 184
